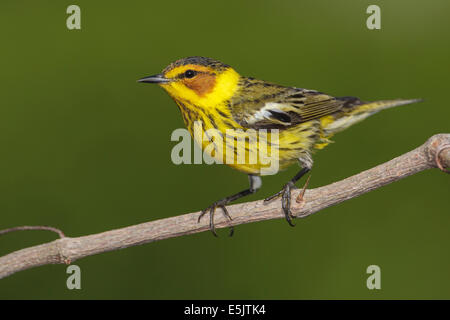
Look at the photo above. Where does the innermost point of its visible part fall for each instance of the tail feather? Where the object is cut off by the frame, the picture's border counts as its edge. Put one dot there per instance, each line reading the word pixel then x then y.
pixel 355 110
pixel 376 106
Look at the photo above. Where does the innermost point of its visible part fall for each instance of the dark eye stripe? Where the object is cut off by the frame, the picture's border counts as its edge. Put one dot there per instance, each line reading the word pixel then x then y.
pixel 184 76
pixel 187 74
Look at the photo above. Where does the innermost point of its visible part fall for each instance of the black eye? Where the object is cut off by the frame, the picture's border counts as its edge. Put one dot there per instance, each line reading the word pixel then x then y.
pixel 190 74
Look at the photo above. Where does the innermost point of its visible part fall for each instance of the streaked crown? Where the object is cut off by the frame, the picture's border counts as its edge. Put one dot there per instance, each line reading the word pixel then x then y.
pixel 197 61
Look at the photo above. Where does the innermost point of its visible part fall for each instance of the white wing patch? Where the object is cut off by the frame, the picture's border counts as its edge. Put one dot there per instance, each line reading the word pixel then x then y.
pixel 265 113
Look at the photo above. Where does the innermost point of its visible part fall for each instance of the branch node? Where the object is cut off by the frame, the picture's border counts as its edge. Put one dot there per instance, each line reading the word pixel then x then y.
pixel 440 159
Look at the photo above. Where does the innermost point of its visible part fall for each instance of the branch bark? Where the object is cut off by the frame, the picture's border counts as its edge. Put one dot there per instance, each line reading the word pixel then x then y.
pixel 434 153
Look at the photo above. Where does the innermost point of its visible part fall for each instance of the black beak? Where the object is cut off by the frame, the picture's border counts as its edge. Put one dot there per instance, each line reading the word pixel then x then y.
pixel 157 78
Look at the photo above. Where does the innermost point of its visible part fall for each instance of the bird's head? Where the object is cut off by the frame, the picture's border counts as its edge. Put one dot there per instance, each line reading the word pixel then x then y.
pixel 201 81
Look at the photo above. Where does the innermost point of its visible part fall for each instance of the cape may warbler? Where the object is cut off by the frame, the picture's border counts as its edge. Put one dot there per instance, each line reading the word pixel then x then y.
pixel 212 94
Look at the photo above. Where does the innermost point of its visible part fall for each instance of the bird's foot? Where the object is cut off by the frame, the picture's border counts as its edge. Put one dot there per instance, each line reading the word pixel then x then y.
pixel 285 194
pixel 212 208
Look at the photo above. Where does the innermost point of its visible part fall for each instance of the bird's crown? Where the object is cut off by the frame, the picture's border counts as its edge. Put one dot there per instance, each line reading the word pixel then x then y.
pixel 197 61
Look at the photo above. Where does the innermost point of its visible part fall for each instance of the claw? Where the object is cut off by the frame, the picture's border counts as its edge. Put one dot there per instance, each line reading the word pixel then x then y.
pixel 285 194
pixel 201 215
pixel 211 220
pixel 212 210
pixel 227 215
pixel 286 203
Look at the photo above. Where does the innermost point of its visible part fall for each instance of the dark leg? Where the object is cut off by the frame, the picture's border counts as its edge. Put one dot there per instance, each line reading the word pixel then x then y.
pixel 285 194
pixel 255 184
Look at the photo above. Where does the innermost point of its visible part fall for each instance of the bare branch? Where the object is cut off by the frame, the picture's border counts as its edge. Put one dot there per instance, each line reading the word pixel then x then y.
pixel 26 228
pixel 434 153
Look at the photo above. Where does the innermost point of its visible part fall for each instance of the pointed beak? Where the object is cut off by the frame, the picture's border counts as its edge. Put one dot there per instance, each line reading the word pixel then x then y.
pixel 157 78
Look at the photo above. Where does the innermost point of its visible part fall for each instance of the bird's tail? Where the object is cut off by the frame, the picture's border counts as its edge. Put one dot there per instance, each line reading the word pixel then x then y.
pixel 355 111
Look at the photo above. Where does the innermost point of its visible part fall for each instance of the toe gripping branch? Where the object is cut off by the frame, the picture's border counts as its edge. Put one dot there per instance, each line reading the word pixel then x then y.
pixel 255 184
pixel 286 197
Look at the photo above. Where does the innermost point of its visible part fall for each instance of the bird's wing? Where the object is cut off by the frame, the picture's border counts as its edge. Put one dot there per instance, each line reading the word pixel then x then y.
pixel 261 105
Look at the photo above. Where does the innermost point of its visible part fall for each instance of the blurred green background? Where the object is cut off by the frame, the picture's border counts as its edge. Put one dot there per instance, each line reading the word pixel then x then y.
pixel 87 149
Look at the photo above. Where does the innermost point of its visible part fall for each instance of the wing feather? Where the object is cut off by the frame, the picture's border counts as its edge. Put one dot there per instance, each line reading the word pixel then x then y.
pixel 263 105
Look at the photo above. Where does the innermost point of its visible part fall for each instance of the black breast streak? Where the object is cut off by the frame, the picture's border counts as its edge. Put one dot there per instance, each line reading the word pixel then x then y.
pixel 221 113
pixel 229 124
pixel 213 122
pixel 214 125
pixel 189 115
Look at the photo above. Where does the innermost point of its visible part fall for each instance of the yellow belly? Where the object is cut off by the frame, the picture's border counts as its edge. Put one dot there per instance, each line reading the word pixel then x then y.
pixel 257 152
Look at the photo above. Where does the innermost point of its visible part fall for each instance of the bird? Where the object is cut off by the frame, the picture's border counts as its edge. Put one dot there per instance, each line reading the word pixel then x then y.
pixel 214 95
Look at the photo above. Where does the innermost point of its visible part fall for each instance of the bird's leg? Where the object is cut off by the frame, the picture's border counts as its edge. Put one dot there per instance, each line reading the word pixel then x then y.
pixel 285 194
pixel 255 184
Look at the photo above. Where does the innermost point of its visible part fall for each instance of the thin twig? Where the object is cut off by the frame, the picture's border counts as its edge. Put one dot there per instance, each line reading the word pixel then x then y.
pixel 434 153
pixel 26 228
